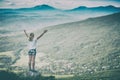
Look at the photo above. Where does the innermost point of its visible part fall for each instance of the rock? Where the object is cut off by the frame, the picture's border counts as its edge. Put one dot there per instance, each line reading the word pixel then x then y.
pixel 32 73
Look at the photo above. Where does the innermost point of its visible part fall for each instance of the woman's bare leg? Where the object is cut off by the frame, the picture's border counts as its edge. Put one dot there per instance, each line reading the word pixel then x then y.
pixel 29 63
pixel 33 62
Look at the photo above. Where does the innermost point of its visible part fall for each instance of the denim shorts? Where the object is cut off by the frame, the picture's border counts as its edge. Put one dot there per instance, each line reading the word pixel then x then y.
pixel 32 52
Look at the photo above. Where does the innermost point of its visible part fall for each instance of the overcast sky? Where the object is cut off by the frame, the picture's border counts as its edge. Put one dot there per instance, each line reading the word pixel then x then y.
pixel 62 4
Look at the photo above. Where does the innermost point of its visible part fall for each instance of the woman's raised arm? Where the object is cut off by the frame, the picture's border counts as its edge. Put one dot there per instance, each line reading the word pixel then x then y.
pixel 26 33
pixel 42 34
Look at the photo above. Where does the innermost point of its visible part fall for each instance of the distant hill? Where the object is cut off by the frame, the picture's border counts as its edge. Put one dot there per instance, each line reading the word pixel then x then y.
pixel 109 8
pixel 44 7
pixel 39 7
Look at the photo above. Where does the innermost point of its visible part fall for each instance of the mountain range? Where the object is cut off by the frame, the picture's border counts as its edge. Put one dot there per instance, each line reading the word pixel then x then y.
pixel 81 8
pixel 105 8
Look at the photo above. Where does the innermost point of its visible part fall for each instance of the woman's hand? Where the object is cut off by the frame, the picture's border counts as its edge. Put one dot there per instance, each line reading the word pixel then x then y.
pixel 45 31
pixel 24 30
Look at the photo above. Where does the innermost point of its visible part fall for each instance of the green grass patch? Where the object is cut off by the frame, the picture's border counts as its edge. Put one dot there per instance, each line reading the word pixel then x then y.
pixel 7 75
pixel 102 75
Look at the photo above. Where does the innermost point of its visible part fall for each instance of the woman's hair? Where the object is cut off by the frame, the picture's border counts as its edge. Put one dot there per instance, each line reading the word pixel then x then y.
pixel 31 36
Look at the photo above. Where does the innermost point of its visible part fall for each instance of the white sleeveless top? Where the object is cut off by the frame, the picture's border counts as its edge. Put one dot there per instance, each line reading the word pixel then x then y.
pixel 32 44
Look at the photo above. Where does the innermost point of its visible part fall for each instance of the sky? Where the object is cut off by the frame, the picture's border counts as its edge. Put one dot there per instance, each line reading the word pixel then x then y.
pixel 61 4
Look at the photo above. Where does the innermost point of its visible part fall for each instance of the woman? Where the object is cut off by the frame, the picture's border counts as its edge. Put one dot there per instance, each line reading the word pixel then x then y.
pixel 32 49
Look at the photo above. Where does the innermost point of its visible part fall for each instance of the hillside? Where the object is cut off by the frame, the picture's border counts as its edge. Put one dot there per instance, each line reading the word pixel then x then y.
pixel 87 46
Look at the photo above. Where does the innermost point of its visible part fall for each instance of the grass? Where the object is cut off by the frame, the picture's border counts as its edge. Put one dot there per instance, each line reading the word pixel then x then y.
pixel 7 75
pixel 59 76
pixel 102 75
